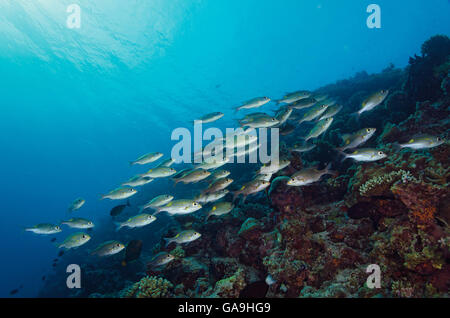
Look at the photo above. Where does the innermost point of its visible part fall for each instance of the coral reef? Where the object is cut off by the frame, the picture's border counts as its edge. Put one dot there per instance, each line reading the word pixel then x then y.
pixel 148 287
pixel 318 240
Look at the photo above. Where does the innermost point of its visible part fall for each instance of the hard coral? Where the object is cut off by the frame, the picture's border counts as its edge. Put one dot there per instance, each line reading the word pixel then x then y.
pixel 148 287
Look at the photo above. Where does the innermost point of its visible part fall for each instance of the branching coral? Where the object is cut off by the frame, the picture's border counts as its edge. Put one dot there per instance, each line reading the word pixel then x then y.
pixel 148 287
pixel 380 184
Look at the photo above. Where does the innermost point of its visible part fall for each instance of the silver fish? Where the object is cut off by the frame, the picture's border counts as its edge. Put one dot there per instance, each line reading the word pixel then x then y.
pixel 220 208
pixel 293 97
pixel 137 221
pixel 209 118
pixel 119 194
pixel 108 249
pixel 357 139
pixel 373 101
pixel 365 155
pixel 179 207
pixel 254 103
pixel 423 142
pixel 137 181
pixel 161 259
pixel 147 158
pixel 79 223
pixel 183 237
pixel 331 112
pixel 314 113
pixel 76 204
pixel 302 147
pixel 211 197
pixel 321 127
pixel 158 201
pixel 159 172
pixel 308 176
pixel 75 240
pixel 44 229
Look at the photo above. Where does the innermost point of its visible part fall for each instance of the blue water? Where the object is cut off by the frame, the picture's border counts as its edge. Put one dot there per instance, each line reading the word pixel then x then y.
pixel 78 104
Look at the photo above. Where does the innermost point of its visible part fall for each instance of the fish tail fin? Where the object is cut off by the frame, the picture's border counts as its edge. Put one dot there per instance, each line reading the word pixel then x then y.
pixel 332 172
pixel 102 197
pixel 118 226
pixel 128 202
pixel 244 198
pixel 157 210
pixel 397 146
pixel 167 241
pixel 141 208
pixel 357 115
pixel 207 217
pixel 344 156
pixel 235 195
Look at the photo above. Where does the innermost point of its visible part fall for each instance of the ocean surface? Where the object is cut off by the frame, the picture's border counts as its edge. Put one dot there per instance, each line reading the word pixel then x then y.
pixel 78 104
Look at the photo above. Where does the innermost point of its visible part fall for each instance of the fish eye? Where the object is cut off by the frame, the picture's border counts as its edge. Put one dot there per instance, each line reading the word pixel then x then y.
pixel 84 236
pixel 380 152
pixel 438 139
pixel 118 245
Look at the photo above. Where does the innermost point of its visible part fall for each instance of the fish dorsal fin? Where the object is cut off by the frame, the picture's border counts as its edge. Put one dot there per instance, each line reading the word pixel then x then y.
pixel 411 141
pixel 214 208
pixel 177 235
pixel 355 152
pixel 243 187
pixel 169 204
